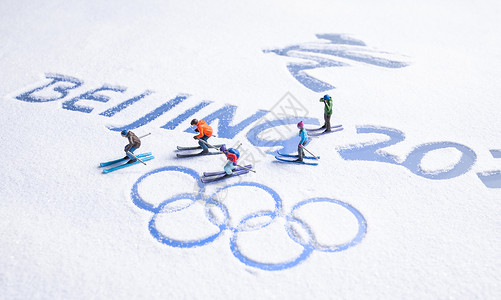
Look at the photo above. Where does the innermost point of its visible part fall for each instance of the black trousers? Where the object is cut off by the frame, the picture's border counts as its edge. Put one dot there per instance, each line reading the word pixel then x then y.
pixel 327 124
pixel 300 150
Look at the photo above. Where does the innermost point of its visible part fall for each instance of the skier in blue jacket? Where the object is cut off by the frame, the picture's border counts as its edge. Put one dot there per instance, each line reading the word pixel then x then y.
pixel 303 142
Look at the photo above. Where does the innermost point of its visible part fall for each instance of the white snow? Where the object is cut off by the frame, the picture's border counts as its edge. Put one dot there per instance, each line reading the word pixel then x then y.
pixel 437 161
pixel 386 231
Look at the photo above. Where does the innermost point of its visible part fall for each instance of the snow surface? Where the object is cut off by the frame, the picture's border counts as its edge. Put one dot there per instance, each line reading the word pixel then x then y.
pixel 381 229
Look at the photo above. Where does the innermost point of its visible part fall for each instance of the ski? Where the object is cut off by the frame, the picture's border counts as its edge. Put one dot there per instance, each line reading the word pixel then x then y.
pixel 297 162
pixel 128 165
pixel 112 162
pixel 295 155
pixel 208 174
pixel 322 133
pixel 223 177
pixel 197 154
pixel 194 148
pixel 317 129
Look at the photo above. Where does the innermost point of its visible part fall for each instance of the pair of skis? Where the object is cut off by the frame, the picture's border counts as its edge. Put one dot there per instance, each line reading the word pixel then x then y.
pixel 183 155
pixel 311 132
pixel 217 176
pixel 141 158
pixel 319 132
pixel 282 157
pixel 214 176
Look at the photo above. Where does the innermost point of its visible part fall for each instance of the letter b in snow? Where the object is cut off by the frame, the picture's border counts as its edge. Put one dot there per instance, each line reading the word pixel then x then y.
pixel 61 84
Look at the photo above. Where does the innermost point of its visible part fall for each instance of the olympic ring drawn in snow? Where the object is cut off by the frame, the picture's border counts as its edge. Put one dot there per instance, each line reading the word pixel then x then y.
pixel 242 226
pixel 139 202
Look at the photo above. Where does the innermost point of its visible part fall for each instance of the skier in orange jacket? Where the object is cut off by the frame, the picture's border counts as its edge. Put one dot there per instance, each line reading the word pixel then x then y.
pixel 204 133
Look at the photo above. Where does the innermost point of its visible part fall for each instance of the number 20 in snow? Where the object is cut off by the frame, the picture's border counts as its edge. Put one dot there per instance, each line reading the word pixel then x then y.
pixel 368 152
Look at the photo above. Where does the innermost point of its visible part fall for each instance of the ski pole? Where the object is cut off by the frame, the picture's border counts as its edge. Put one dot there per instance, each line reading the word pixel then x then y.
pixel 243 166
pixel 145 135
pixel 246 168
pixel 129 153
pixel 309 151
pixel 208 145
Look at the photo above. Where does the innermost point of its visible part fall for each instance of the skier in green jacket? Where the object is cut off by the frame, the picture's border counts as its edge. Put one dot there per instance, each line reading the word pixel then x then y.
pixel 327 100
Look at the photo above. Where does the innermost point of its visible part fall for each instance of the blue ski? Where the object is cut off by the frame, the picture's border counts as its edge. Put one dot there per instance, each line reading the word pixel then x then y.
pixel 127 165
pixel 296 162
pixel 208 174
pixel 295 155
pixel 223 177
pixel 105 164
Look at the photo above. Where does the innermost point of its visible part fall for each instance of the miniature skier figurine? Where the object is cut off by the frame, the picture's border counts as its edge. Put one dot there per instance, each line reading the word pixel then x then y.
pixel 327 100
pixel 134 143
pixel 204 133
pixel 232 155
pixel 303 142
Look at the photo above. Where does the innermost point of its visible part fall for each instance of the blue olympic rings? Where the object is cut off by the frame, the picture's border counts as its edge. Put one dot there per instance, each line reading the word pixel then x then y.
pixel 242 226
pixel 176 243
pixel 312 243
pixel 138 200
pixel 362 226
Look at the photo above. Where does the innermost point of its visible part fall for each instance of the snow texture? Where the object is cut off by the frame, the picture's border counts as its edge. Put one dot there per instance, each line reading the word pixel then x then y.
pixel 404 203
